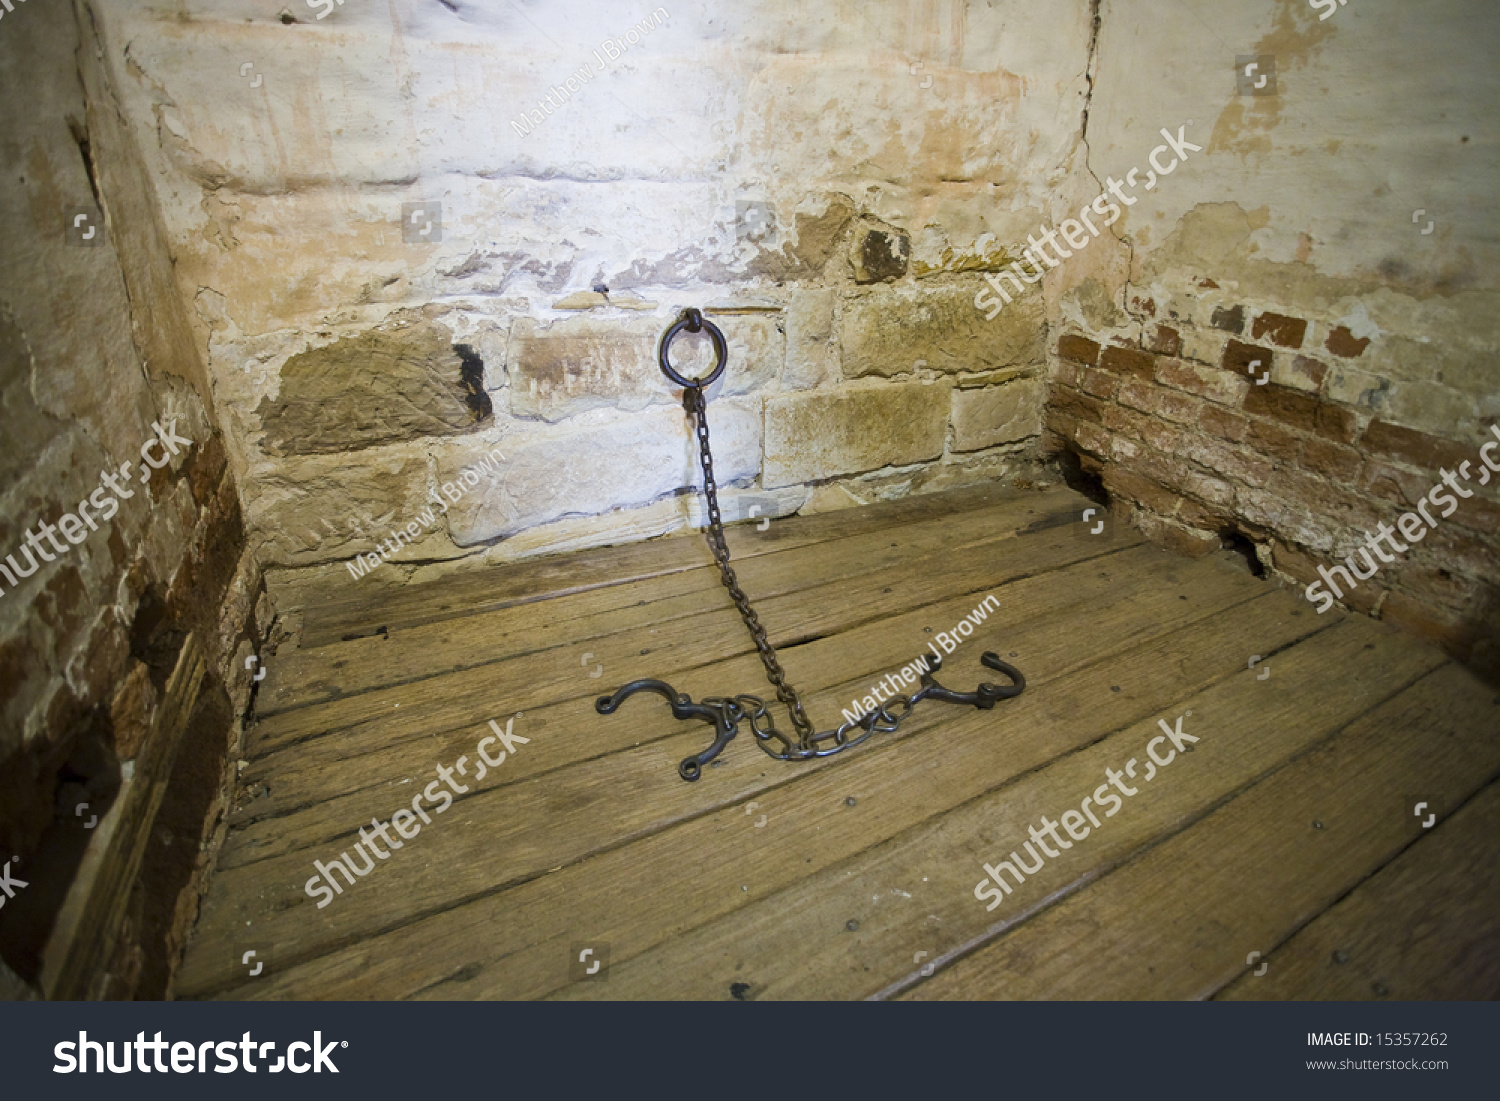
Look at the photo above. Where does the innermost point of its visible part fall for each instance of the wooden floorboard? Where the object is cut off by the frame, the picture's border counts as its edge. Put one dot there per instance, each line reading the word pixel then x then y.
pixel 864 864
pixel 1181 920
pixel 1425 926
pixel 352 608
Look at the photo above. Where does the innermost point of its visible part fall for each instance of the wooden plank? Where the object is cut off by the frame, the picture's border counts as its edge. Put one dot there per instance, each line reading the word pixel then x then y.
pixel 1180 920
pixel 352 607
pixel 340 671
pixel 528 680
pixel 88 925
pixel 339 802
pixel 913 897
pixel 705 860
pixel 279 777
pixel 1424 927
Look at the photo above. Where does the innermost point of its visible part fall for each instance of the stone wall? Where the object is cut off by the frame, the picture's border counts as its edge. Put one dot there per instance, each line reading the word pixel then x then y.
pixel 829 189
pixel 102 579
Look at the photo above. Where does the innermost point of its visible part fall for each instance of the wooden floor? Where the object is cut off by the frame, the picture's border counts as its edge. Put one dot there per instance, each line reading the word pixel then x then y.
pixel 1287 830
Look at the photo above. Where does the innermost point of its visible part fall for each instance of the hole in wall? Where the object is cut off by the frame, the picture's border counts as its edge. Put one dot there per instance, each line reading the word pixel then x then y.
pixel 1082 481
pixel 1239 544
pixel 471 374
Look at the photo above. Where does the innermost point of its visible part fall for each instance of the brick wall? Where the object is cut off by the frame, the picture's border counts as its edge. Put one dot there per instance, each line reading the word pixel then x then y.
pixel 94 351
pixel 1206 435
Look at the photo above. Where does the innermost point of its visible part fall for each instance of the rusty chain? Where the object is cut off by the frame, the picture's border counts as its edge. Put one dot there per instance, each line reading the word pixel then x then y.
pixel 727 712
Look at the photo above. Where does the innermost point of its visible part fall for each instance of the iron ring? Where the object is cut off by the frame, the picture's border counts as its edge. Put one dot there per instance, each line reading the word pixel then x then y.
pixel 693 321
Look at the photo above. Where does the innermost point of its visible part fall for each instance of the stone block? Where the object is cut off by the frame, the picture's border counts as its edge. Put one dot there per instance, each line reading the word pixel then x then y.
pixel 812 355
pixel 878 253
pixel 610 461
pixel 813 436
pixel 1000 414
pixel 394 382
pixel 320 507
pixel 888 330
pixel 568 367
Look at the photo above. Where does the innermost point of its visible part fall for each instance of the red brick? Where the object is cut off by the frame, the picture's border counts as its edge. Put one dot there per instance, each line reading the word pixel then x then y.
pixel 1369 597
pixel 1158 433
pixel 1393 484
pixel 1220 422
pixel 1294 562
pixel 1314 371
pixel 1076 404
pixel 1302 412
pixel 1232 462
pixel 1128 361
pixel 1410 446
pixel 1092 438
pixel 1284 331
pixel 1341 342
pixel 1436 586
pixel 1332 504
pixel 1270 439
pixel 1079 349
pixel 1330 460
pixel 1101 384
pixel 1203 487
pixel 1067 374
pixel 1167 341
pixel 1122 449
pixel 1158 400
pixel 1238 356
pixel 1458 549
pixel 1057 432
pixel 1478 514
pixel 1203 381
pixel 1198 515
pixel 1181 540
pixel 1126 483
